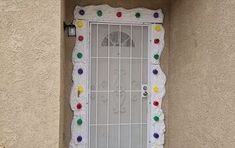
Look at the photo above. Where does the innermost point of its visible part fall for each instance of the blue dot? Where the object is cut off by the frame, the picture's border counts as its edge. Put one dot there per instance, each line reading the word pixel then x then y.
pixel 80 71
pixel 155 71
pixel 155 135
pixel 155 15
pixel 79 138
pixel 81 12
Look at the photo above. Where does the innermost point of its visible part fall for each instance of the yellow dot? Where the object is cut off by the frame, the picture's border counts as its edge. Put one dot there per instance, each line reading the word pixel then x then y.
pixel 157 28
pixel 80 89
pixel 79 23
pixel 155 89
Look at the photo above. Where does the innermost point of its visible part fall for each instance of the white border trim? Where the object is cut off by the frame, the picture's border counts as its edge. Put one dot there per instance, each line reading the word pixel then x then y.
pixel 109 17
pixel 109 14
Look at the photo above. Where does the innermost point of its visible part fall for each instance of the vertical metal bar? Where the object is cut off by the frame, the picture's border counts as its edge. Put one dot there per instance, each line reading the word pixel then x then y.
pixel 130 88
pixel 119 75
pixel 141 80
pixel 149 84
pixel 108 91
pixel 97 82
pixel 89 98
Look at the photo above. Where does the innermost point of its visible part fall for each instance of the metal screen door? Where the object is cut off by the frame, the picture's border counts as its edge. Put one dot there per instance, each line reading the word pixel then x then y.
pixel 118 71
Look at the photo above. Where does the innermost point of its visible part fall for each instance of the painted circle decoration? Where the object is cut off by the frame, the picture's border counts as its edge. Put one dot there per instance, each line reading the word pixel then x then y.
pixel 156 135
pixel 156 41
pixel 80 89
pixel 137 15
pixel 79 55
pixel 80 24
pixel 155 89
pixel 80 71
pixel 156 56
pixel 156 118
pixel 99 13
pixel 155 103
pixel 119 14
pixel 79 139
pixel 80 38
pixel 155 15
pixel 157 28
pixel 155 71
pixel 79 106
pixel 81 12
pixel 79 121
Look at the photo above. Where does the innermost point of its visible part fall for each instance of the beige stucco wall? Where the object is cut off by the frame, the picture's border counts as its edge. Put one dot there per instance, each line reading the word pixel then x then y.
pixel 30 70
pixel 201 78
pixel 69 43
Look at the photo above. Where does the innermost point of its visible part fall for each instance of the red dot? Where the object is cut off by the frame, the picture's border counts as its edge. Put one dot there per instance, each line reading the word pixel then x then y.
pixel 80 38
pixel 79 106
pixel 155 103
pixel 156 41
pixel 119 14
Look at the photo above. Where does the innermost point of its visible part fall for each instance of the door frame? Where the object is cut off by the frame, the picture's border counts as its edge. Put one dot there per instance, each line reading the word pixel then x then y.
pixel 83 17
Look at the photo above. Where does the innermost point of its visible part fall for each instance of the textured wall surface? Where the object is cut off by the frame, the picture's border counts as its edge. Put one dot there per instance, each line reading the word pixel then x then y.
pixel 201 78
pixel 30 65
pixel 69 44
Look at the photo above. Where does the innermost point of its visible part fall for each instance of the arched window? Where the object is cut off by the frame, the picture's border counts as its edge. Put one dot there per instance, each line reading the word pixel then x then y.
pixel 114 39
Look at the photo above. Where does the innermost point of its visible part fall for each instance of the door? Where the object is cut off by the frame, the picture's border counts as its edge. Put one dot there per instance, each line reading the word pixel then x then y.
pixel 118 109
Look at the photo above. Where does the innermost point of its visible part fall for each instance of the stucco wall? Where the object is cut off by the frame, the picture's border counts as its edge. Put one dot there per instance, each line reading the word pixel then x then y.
pixel 30 70
pixel 69 44
pixel 202 74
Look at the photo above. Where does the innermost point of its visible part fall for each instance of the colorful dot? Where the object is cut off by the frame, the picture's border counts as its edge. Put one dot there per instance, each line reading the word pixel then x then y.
pixel 145 94
pixel 80 38
pixel 79 121
pixel 155 135
pixel 156 118
pixel 155 103
pixel 79 24
pixel 119 14
pixel 156 41
pixel 155 71
pixel 80 89
pixel 80 71
pixel 79 138
pixel 156 56
pixel 157 28
pixel 155 15
pixel 137 15
pixel 155 89
pixel 99 13
pixel 81 12
pixel 79 55
pixel 79 106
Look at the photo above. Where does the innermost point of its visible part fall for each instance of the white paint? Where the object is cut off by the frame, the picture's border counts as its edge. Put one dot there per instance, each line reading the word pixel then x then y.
pixel 128 17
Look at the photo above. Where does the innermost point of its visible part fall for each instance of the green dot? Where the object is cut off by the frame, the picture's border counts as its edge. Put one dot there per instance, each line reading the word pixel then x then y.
pixel 156 118
pixel 156 56
pixel 99 13
pixel 79 121
pixel 137 15
pixel 79 55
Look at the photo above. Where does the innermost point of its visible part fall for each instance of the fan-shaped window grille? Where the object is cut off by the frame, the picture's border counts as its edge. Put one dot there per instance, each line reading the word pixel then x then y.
pixel 114 39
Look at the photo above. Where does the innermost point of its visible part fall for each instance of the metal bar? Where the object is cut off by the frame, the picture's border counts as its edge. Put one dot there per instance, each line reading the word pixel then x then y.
pixel 97 82
pixel 141 80
pixel 89 104
pixel 119 83
pixel 108 103
pixel 130 86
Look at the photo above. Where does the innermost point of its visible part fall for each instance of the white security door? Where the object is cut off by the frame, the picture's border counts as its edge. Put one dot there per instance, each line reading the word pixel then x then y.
pixel 118 73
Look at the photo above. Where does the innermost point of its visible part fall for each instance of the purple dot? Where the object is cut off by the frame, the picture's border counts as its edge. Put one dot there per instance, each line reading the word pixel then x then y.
pixel 155 71
pixel 81 12
pixel 155 135
pixel 79 138
pixel 155 15
pixel 80 71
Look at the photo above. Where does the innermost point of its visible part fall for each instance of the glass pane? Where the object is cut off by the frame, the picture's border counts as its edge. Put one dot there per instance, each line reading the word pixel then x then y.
pixel 102 100
pixel 102 74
